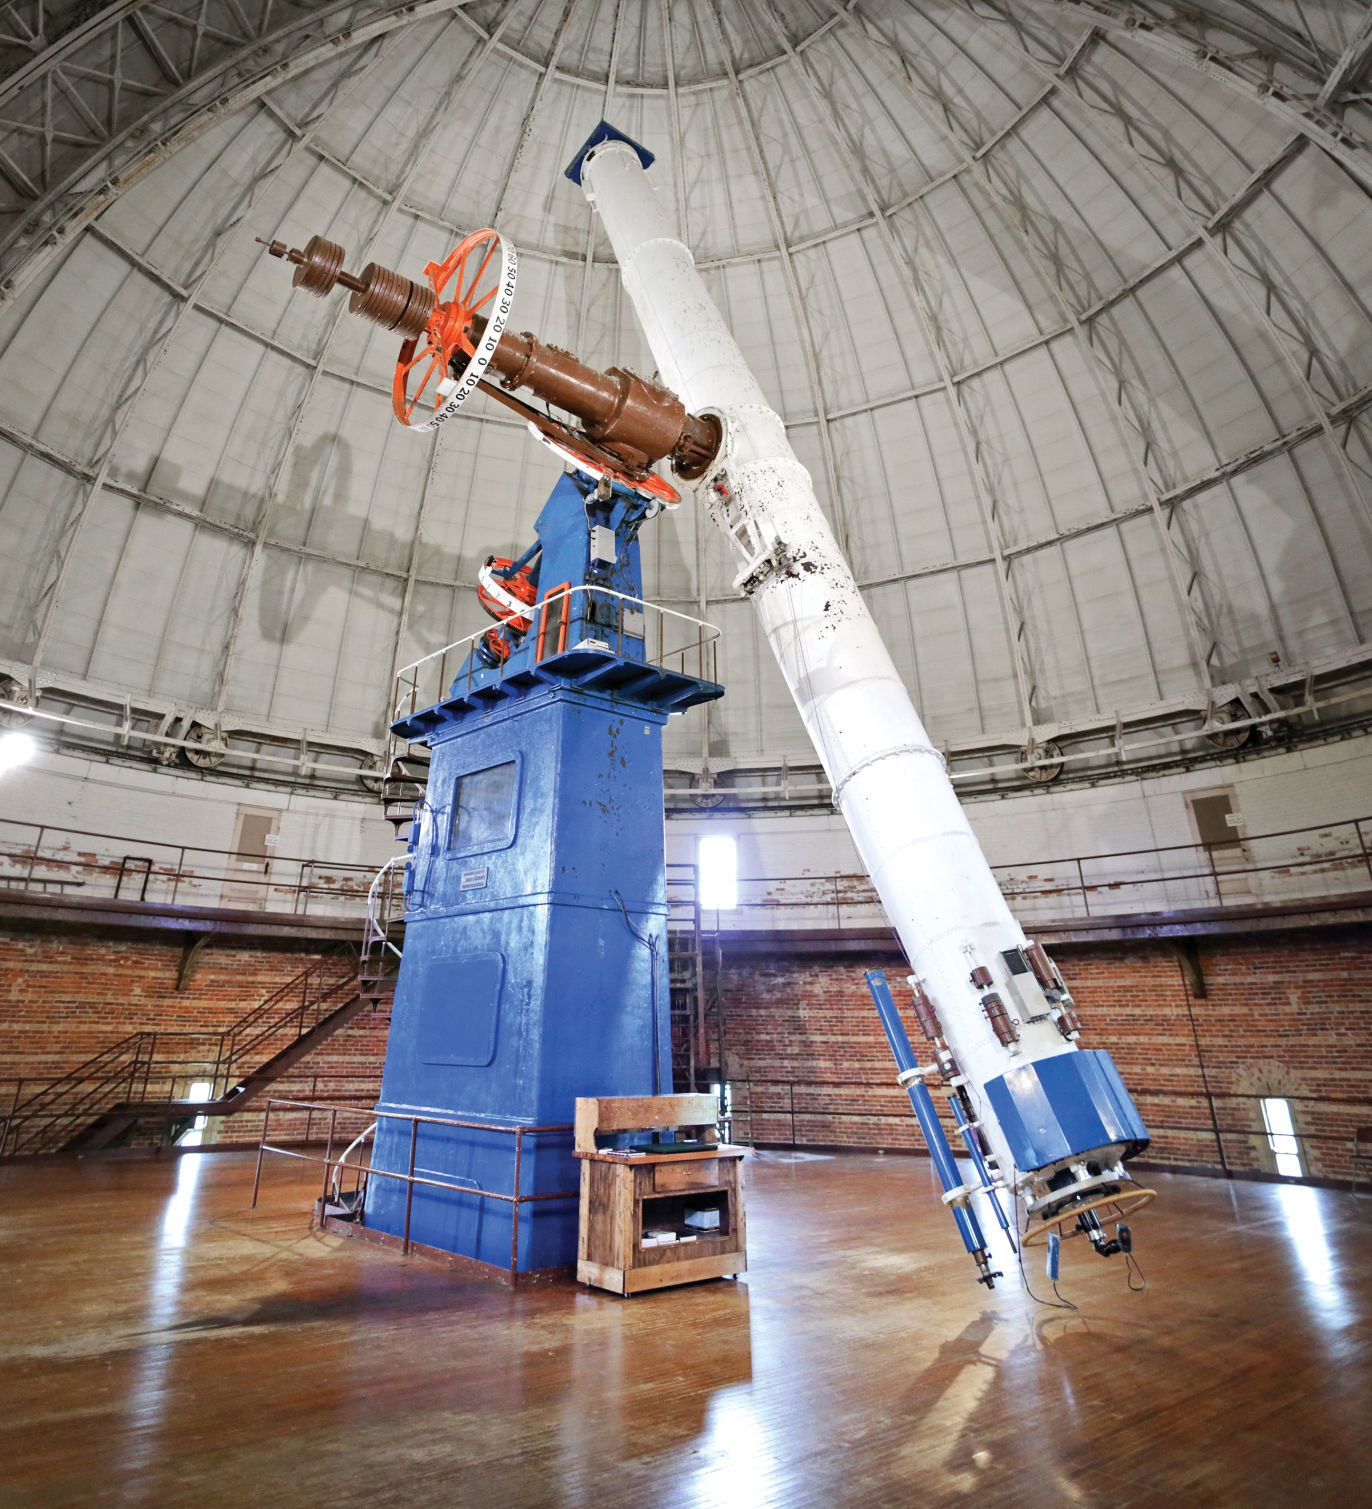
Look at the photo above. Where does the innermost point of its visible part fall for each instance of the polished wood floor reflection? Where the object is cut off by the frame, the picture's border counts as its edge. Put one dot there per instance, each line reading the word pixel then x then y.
pixel 164 1345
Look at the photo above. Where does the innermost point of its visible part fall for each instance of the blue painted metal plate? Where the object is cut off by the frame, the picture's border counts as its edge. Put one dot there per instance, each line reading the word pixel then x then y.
pixel 602 133
pixel 1063 1107
pixel 465 990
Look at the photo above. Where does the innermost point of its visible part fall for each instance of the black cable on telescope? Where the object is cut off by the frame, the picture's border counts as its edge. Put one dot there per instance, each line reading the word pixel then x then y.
pixel 1062 1304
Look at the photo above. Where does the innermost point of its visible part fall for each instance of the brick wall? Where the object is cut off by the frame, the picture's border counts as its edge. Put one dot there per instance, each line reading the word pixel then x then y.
pixel 1287 1015
pixel 65 996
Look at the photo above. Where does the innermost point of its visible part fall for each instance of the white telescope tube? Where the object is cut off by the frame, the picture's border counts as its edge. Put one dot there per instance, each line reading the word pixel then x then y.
pixel 888 780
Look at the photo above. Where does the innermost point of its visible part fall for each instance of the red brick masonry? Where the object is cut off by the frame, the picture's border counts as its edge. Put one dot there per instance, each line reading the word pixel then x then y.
pixel 64 996
pixel 1285 1014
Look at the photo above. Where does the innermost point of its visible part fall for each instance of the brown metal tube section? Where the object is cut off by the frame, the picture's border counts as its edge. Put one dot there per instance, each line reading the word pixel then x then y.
pixel 999 1018
pixel 947 1066
pixel 1068 1022
pixel 925 1014
pixel 1042 966
pixel 386 298
pixel 1064 1008
pixel 637 420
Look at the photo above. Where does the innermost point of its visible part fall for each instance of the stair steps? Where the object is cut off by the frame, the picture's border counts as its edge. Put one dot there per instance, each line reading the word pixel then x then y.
pixel 90 1107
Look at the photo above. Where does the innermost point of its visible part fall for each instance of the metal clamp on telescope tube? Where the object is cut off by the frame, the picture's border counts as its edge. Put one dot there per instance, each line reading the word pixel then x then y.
pixel 956 1194
pixel 969 1136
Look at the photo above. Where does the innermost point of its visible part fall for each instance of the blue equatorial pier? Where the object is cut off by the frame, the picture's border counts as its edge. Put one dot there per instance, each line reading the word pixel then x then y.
pixel 534 967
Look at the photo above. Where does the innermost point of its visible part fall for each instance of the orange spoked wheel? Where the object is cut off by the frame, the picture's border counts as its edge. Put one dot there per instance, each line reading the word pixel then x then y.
pixel 437 372
pixel 494 648
pixel 509 599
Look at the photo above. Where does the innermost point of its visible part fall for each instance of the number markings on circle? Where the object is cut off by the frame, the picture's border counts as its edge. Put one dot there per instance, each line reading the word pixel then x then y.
pixel 437 348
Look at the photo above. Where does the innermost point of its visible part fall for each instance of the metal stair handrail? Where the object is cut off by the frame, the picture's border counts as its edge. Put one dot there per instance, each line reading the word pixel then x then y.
pixel 117 1065
pixel 82 1071
pixel 110 1078
pixel 240 1047
pixel 380 899
pixel 336 1184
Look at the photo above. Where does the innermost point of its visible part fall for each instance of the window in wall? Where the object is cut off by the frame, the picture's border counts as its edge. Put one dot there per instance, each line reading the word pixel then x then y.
pixel 717 856
pixel 1281 1137
pixel 483 808
pixel 202 1089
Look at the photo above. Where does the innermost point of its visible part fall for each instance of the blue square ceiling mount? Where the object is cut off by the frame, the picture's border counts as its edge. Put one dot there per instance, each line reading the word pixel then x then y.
pixel 604 132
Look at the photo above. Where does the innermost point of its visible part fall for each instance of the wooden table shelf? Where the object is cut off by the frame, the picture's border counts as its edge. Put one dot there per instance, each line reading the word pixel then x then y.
pixel 626 1191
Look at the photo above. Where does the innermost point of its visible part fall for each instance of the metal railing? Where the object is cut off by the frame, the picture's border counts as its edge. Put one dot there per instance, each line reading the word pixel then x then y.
pixel 385 910
pixel 559 622
pixel 345 1086
pixel 81 1094
pixel 1290 865
pixel 805 1113
pixel 516 1198
pixel 156 1067
pixel 43 856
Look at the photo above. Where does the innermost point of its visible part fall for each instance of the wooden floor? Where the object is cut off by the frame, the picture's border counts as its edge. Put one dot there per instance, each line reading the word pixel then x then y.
pixel 164 1345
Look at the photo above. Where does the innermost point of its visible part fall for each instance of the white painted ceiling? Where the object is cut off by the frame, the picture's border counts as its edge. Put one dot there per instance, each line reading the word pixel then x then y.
pixel 1070 323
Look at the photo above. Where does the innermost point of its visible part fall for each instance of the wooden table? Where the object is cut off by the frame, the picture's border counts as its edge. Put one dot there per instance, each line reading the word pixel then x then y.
pixel 627 1191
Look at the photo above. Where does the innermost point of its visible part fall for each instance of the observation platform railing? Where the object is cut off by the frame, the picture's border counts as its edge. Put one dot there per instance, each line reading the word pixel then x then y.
pixel 562 620
pixel 1290 866
pixel 76 862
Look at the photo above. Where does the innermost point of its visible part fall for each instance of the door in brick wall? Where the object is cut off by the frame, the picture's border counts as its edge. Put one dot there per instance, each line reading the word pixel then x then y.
pixel 1220 843
pixel 247 873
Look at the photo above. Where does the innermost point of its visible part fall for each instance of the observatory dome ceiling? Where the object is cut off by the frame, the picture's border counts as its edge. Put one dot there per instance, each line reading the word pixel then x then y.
pixel 1066 308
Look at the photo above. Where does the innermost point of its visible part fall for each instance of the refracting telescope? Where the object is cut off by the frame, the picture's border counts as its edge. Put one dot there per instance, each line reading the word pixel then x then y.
pixel 1042 1119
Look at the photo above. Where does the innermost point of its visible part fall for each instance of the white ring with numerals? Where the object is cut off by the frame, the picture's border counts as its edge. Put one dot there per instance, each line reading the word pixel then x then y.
pixel 457 390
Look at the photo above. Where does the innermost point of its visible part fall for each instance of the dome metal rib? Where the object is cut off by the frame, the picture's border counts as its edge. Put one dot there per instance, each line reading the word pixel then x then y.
pixel 1070 330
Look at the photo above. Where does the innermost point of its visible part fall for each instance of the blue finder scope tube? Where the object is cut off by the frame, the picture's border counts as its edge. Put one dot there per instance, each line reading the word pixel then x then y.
pixel 929 1124
pixel 969 1136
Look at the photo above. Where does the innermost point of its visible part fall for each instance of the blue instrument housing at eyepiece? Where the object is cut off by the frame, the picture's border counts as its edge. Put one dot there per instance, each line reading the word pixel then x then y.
pixel 1063 1107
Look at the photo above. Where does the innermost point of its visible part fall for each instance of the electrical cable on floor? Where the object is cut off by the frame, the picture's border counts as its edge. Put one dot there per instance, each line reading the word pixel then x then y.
pixel 1061 1304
